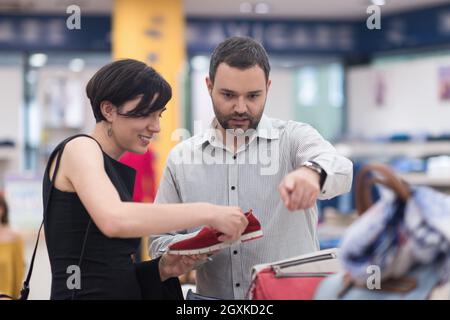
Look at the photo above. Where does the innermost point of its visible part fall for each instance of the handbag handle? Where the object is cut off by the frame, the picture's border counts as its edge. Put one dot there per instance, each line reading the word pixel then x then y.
pixel 385 176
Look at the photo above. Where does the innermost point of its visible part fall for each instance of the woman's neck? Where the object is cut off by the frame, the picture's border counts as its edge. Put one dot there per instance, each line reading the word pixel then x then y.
pixel 108 144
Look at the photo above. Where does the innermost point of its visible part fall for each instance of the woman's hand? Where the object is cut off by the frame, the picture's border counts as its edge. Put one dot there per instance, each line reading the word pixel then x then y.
pixel 230 221
pixel 171 265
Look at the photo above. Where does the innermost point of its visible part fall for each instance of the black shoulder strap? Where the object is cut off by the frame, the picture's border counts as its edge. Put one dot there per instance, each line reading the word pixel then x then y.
pixel 26 285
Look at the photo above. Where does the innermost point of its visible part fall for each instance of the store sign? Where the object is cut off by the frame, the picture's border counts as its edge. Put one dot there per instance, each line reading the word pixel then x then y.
pixel 419 28
pixel 52 33
pixel 276 36
pixel 414 29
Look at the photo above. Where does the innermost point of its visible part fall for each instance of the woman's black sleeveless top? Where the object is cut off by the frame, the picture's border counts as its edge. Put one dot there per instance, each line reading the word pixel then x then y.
pixel 106 270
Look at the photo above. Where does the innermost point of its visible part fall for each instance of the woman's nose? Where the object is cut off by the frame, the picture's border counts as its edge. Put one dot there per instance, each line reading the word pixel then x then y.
pixel 154 125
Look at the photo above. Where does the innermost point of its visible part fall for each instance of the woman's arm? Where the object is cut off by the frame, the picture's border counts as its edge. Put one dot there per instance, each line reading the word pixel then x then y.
pixel 82 164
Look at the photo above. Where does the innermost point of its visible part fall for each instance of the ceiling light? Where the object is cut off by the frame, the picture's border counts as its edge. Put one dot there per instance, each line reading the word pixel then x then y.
pixel 245 7
pixel 379 2
pixel 262 8
pixel 38 60
pixel 76 65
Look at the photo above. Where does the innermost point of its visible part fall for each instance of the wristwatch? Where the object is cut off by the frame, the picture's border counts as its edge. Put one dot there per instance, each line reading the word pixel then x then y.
pixel 314 166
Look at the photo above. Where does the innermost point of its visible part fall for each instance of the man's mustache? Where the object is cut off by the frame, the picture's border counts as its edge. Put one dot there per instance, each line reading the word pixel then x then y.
pixel 240 117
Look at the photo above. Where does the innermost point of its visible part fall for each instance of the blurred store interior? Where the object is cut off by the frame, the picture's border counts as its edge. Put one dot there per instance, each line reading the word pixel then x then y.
pixel 377 94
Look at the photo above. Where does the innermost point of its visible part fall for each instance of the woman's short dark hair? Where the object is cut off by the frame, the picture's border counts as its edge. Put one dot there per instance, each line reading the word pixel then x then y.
pixel 241 53
pixel 3 205
pixel 124 80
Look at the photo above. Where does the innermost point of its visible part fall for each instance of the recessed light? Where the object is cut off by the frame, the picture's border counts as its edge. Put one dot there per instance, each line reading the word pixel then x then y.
pixel 76 65
pixel 262 8
pixel 379 2
pixel 38 60
pixel 246 7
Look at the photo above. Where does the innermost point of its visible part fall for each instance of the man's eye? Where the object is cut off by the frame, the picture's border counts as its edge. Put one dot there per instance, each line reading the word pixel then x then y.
pixel 253 96
pixel 228 95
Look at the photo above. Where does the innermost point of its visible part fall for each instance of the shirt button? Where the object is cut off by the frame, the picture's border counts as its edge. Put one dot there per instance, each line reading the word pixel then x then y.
pixel 235 252
pixel 233 187
pixel 238 285
pixel 234 157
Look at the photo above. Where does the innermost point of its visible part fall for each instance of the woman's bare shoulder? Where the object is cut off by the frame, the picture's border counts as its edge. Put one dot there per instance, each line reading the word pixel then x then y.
pixel 83 144
pixel 83 150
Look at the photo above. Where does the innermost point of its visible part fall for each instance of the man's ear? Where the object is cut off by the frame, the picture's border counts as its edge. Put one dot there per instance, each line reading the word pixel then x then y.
pixel 108 110
pixel 269 82
pixel 209 85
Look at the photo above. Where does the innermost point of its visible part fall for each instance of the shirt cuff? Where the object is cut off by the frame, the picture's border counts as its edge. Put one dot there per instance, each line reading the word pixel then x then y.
pixel 323 175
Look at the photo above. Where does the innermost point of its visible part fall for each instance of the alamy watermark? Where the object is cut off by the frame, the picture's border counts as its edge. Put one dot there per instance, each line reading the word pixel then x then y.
pixel 374 20
pixel 374 279
pixel 73 22
pixel 74 280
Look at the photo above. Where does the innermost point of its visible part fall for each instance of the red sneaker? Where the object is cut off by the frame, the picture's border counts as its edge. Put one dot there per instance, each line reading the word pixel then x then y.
pixel 253 230
pixel 207 239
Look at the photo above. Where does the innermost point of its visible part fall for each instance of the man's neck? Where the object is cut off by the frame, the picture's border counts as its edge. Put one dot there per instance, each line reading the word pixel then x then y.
pixel 230 140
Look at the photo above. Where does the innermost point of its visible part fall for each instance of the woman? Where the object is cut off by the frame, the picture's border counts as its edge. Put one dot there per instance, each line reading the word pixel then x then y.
pixel 90 204
pixel 11 255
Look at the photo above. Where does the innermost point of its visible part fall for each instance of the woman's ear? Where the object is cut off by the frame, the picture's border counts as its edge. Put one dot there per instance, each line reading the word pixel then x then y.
pixel 108 110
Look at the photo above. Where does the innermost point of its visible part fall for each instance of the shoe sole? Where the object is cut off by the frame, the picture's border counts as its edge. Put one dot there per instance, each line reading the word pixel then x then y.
pixel 218 246
pixel 251 236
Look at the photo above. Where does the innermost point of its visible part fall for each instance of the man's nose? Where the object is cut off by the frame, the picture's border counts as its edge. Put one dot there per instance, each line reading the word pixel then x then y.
pixel 241 106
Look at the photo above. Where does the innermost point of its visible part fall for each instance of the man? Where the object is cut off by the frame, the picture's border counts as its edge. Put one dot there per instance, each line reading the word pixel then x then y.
pixel 294 167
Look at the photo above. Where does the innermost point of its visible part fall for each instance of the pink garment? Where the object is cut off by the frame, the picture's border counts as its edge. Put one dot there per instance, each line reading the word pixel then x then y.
pixel 145 184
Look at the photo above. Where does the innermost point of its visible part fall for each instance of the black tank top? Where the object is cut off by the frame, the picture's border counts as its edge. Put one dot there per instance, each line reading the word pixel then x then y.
pixel 107 269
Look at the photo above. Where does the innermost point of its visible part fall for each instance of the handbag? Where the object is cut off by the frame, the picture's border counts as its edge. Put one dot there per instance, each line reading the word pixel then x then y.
pixel 419 283
pixel 299 278
pixel 293 279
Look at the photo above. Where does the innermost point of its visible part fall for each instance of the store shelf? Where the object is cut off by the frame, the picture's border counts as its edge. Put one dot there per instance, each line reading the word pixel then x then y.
pixel 426 180
pixel 390 149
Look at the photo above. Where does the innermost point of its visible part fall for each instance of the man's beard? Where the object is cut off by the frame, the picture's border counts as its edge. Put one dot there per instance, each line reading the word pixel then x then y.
pixel 224 119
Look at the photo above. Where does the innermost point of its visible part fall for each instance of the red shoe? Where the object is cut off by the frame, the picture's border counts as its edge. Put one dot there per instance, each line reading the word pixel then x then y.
pixel 207 239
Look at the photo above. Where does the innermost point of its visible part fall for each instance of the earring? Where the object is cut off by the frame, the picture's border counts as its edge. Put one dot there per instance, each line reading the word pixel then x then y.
pixel 110 131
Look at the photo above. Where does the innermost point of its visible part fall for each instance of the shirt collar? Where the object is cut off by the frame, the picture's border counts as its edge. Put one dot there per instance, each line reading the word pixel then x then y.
pixel 264 130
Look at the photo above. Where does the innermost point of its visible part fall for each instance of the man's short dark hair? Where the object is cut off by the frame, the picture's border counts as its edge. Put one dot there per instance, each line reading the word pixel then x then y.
pixel 241 53
pixel 4 219
pixel 124 80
